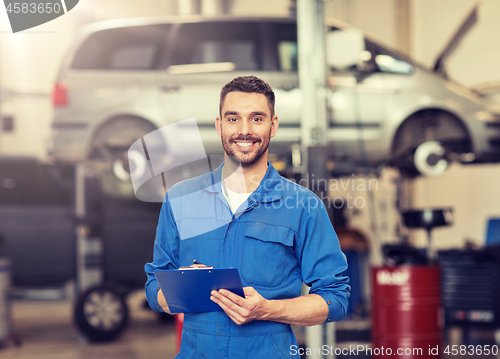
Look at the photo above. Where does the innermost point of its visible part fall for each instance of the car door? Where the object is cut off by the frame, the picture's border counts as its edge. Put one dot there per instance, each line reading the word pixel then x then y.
pixel 403 91
pixel 358 104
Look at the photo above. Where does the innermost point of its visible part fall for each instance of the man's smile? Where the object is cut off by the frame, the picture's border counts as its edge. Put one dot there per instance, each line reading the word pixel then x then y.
pixel 245 144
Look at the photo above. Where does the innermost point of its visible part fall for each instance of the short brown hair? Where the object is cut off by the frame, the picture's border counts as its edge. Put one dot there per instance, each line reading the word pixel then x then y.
pixel 248 84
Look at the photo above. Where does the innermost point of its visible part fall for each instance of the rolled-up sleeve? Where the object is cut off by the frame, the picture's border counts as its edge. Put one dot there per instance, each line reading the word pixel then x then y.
pixel 322 261
pixel 165 254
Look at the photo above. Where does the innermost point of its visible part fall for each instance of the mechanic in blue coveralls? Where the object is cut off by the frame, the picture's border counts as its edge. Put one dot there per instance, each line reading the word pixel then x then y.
pixel 245 215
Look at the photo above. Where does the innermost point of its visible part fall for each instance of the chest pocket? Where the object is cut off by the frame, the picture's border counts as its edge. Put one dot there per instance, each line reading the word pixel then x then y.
pixel 267 251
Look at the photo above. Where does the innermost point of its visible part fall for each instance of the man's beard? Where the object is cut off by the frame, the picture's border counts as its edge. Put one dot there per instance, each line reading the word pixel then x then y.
pixel 246 159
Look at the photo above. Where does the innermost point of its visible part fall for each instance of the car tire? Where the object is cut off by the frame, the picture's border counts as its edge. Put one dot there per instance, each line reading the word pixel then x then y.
pixel 101 313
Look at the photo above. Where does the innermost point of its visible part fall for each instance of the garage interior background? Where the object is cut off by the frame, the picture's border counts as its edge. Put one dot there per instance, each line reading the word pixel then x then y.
pixel 29 62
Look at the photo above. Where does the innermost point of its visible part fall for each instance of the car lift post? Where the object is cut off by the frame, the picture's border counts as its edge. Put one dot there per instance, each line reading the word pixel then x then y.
pixel 311 33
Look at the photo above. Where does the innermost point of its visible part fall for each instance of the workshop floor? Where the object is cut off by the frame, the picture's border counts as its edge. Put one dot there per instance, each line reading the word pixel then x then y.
pixel 46 332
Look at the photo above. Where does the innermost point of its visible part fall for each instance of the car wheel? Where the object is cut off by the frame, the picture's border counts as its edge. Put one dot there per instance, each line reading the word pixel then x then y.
pixel 110 148
pixel 430 159
pixel 128 164
pixel 101 313
pixel 428 141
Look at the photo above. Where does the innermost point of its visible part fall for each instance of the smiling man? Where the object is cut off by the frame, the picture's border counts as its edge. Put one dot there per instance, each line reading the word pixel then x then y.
pixel 274 231
pixel 247 130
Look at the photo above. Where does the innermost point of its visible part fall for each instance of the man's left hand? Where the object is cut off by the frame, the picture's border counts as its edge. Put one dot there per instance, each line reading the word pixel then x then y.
pixel 241 310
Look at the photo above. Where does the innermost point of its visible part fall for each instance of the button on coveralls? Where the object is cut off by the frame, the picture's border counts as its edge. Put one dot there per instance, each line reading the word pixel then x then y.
pixel 279 238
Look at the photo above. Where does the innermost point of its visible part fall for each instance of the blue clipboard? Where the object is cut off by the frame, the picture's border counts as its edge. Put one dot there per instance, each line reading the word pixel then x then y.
pixel 188 290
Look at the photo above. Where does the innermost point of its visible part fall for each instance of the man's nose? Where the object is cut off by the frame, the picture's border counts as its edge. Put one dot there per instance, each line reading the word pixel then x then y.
pixel 245 128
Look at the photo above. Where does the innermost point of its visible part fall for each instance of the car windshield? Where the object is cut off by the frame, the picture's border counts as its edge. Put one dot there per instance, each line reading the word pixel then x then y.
pixel 220 46
pixel 234 46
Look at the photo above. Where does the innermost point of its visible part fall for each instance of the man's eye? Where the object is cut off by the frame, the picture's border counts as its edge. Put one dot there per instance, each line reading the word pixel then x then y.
pixel 232 119
pixel 257 119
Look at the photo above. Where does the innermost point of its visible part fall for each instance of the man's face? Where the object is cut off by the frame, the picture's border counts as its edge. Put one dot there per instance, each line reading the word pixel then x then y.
pixel 246 127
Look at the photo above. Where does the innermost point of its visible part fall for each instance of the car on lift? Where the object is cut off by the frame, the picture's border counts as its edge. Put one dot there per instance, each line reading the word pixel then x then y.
pixel 125 78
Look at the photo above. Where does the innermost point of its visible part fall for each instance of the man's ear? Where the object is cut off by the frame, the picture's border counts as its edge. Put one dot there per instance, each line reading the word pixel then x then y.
pixel 218 126
pixel 274 126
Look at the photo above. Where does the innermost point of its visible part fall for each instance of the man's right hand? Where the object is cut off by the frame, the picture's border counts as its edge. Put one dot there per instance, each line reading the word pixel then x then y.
pixel 162 302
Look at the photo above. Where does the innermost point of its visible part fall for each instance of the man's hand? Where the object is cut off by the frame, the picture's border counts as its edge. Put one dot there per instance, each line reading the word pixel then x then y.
pixel 242 310
pixel 162 302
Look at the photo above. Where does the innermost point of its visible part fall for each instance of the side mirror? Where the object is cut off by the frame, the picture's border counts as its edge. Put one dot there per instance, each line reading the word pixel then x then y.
pixel 343 48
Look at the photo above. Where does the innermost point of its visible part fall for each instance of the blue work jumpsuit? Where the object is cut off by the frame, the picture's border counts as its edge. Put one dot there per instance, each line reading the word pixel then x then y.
pixel 279 238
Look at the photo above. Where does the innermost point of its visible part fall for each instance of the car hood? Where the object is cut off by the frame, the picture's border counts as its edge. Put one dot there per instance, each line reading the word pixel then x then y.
pixel 467 24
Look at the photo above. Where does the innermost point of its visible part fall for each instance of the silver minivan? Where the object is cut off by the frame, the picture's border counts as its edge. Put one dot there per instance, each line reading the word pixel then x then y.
pixel 125 78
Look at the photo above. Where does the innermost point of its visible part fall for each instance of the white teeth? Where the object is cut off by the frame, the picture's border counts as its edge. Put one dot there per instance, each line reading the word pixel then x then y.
pixel 244 144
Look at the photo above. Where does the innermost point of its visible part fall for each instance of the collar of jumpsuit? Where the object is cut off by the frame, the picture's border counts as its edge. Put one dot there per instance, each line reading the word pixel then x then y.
pixel 269 189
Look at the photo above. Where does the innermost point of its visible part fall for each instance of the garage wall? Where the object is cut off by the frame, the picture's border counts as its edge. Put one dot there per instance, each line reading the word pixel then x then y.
pixel 376 18
pixel 434 23
pixel 473 193
pixel 116 9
